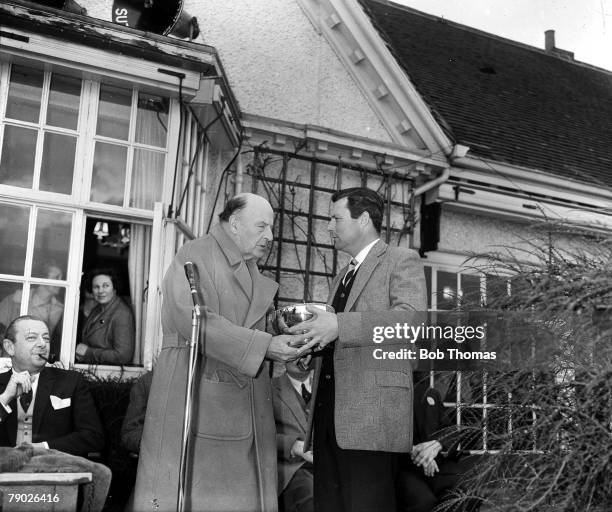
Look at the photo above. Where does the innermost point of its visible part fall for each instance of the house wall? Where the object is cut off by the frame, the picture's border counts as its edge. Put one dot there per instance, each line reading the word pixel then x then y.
pixel 278 66
pixel 477 233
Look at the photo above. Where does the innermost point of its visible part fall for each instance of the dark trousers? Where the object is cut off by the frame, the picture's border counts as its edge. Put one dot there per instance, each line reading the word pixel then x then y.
pixel 419 493
pixel 353 480
pixel 347 480
pixel 298 495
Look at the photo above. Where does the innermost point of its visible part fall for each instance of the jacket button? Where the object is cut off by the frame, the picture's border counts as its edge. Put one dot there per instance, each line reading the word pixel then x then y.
pixel 327 376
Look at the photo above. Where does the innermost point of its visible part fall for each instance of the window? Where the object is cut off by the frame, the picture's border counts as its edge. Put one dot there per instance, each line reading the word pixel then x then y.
pixel 33 269
pixel 470 394
pixel 130 148
pixel 40 130
pixel 75 151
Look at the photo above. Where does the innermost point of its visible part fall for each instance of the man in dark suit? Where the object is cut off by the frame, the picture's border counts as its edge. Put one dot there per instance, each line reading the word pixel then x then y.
pixel 363 405
pixel 44 406
pixel 427 477
pixel 291 398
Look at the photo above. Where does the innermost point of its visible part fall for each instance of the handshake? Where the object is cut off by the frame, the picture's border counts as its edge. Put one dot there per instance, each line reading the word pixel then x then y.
pixel 299 329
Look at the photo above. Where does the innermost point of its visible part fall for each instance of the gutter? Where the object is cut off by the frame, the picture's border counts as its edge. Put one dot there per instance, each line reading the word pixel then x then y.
pixel 458 151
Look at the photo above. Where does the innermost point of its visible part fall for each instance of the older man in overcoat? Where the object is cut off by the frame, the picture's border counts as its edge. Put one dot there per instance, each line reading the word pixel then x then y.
pixel 232 460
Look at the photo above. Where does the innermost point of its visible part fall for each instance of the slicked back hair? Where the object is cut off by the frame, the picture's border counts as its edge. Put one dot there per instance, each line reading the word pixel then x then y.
pixel 235 204
pixel 361 199
pixel 11 330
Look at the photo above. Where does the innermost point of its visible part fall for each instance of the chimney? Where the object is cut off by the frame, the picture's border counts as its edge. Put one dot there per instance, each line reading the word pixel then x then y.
pixel 549 46
pixel 549 40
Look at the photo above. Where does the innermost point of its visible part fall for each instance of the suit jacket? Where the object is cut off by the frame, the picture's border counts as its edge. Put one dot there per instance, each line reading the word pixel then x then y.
pixel 133 421
pixel 373 397
pixel 233 448
pixel 109 334
pixel 74 429
pixel 291 423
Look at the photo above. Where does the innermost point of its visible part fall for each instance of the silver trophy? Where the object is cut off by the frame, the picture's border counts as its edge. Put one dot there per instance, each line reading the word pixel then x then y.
pixel 293 314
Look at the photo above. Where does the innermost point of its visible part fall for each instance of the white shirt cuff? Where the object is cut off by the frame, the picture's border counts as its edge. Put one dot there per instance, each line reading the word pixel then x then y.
pixel 6 408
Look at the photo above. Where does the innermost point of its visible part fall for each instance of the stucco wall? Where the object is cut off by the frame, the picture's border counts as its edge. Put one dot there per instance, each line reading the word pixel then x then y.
pixel 469 234
pixel 278 65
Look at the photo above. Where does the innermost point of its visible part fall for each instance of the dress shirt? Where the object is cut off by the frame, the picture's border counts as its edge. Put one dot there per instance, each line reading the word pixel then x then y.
pixel 297 384
pixel 361 255
pixel 34 381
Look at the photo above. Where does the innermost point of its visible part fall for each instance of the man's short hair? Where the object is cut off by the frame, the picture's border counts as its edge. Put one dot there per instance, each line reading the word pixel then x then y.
pixel 235 204
pixel 361 199
pixel 11 330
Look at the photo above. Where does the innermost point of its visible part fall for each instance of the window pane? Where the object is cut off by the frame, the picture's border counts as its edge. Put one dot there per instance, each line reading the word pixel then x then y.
pixel 47 303
pixel 24 95
pixel 57 163
pixel 108 180
pixel 10 303
pixel 152 120
pixel 147 179
pixel 446 291
pixel 114 112
pixel 51 244
pixel 18 153
pixel 428 285
pixel 13 238
pixel 64 99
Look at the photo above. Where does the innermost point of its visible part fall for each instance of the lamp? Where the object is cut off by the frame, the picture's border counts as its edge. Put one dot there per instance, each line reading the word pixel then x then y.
pixel 101 230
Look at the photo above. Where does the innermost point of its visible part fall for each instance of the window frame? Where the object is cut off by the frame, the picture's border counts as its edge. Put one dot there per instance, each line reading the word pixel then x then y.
pixel 77 202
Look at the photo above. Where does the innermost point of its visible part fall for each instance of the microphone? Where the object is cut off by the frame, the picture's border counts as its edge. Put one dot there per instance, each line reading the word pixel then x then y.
pixel 190 273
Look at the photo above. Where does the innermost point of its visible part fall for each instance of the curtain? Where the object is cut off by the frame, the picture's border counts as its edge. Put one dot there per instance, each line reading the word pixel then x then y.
pixel 138 269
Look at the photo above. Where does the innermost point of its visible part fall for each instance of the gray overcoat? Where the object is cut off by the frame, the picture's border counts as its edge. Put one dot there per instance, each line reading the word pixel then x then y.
pixel 232 464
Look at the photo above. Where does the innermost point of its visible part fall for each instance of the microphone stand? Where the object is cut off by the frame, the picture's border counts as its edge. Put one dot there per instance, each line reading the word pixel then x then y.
pixel 196 318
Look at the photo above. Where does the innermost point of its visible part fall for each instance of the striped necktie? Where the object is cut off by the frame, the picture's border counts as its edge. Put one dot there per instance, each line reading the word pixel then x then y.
pixel 352 268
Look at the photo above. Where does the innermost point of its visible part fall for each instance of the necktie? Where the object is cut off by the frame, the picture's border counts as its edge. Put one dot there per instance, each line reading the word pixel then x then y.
pixel 25 399
pixel 350 272
pixel 306 395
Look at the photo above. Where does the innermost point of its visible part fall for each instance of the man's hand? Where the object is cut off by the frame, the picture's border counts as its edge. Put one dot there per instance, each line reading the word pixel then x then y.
pixel 283 348
pixel 423 454
pixel 431 468
pixel 18 383
pixel 320 330
pixel 81 349
pixel 297 450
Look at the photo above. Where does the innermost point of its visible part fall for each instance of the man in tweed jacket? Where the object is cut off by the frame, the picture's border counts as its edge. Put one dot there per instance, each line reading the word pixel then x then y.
pixel 363 405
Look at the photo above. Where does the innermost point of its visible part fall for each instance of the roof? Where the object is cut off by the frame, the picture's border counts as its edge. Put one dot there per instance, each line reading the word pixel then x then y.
pixel 507 101
pixel 85 30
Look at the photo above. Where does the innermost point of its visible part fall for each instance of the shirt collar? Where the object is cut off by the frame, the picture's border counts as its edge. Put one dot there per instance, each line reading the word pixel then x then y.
pixel 297 384
pixel 361 255
pixel 33 378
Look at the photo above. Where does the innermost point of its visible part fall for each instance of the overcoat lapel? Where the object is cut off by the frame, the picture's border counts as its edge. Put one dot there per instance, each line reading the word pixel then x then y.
pixel 258 289
pixel 241 273
pixel 42 400
pixel 264 290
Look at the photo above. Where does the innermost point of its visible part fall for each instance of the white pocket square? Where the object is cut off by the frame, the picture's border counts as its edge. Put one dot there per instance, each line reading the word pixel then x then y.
pixel 59 403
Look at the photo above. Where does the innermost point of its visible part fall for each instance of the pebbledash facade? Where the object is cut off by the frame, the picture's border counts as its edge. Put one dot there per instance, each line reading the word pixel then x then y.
pixel 469 137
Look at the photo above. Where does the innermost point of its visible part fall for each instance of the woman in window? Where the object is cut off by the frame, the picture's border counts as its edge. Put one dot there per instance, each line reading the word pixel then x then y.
pixel 108 334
